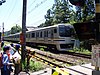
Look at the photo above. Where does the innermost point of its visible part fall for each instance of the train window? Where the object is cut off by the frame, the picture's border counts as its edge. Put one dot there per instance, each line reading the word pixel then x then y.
pixel 29 35
pixel 44 33
pixel 33 35
pixel 52 33
pixel 18 36
pixel 65 31
pixel 37 34
pixel 55 30
pixel 26 35
pixel 41 34
pixel 47 33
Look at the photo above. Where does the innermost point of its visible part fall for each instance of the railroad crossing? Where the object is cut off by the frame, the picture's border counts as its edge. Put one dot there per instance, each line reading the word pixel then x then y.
pixel 85 69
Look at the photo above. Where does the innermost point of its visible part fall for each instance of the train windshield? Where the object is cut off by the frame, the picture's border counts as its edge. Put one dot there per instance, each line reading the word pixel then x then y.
pixel 66 31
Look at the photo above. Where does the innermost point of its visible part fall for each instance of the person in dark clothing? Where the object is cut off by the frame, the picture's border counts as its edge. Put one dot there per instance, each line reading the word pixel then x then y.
pixel 5 70
pixel 2 44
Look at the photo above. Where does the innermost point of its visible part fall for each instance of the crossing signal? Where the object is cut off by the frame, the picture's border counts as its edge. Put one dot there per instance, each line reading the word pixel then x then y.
pixel 77 2
pixel 97 1
pixel 2 1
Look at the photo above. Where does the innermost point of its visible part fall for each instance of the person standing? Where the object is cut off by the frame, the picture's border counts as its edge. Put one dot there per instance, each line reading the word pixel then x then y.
pixel 12 50
pixel 5 70
pixel 2 45
pixel 17 58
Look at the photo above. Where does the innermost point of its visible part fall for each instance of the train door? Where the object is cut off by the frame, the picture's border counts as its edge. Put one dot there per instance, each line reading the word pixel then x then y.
pixel 55 33
pixel 37 36
pixel 45 36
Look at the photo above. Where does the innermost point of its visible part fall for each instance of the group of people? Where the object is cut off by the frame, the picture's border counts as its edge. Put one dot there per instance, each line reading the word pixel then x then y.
pixel 10 57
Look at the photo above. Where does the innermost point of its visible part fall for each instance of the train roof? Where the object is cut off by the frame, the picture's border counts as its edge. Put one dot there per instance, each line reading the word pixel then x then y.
pixel 49 27
pixel 36 29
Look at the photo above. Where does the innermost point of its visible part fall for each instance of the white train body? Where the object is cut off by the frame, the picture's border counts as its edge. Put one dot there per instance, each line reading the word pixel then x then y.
pixel 60 37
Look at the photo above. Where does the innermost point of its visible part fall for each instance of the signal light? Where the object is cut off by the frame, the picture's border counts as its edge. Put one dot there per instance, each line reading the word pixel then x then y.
pixel 0 3
pixel 97 1
pixel 77 2
pixel 3 1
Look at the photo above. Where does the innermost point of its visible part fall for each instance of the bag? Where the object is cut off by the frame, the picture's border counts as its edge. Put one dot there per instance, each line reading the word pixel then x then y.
pixel 17 58
pixel 1 64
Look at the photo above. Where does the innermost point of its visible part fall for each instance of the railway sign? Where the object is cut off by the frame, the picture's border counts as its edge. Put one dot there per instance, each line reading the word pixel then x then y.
pixel 96 55
pixel 21 38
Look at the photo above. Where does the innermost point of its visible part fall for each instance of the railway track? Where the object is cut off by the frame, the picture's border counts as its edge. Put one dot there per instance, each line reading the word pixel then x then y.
pixel 77 54
pixel 59 59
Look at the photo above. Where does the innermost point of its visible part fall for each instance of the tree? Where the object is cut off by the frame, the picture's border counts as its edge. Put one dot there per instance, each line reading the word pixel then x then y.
pixel 61 12
pixel 49 18
pixel 88 10
pixel 15 29
pixel 85 13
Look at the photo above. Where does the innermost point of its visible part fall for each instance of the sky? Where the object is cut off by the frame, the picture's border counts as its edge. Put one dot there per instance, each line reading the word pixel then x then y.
pixel 11 12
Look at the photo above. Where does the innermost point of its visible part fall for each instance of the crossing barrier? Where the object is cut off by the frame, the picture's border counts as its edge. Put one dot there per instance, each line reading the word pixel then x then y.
pixel 59 71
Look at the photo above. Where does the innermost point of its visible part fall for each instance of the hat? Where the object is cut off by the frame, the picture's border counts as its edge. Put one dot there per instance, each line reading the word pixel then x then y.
pixel 2 44
pixel 12 45
pixel 17 46
pixel 5 48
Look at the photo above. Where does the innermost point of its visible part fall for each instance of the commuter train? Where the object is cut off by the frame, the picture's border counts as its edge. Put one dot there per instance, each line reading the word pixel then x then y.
pixel 59 37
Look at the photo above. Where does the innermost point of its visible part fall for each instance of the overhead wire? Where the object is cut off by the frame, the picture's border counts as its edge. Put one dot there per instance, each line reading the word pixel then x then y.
pixel 37 5
pixel 19 18
pixel 11 11
pixel 32 3
pixel 37 21
pixel 6 11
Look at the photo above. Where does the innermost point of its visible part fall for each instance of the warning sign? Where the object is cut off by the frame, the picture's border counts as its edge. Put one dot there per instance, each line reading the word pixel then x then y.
pixel 21 38
pixel 96 55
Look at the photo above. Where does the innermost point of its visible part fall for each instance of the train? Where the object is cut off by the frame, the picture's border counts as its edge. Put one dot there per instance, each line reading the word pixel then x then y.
pixel 59 37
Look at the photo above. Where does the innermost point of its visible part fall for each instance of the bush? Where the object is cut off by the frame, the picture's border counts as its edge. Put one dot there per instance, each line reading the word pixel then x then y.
pixel 35 66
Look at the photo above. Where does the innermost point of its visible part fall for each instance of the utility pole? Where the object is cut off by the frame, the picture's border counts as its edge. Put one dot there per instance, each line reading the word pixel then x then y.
pixel 97 3
pixel 23 51
pixel 97 18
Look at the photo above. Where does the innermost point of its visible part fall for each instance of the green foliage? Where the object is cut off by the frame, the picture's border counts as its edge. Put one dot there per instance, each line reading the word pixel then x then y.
pixel 15 29
pixel 81 50
pixel 42 49
pixel 35 66
pixel 63 12
pixel 85 13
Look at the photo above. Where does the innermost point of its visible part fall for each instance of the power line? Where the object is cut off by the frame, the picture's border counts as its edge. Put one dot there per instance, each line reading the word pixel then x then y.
pixel 7 10
pixel 20 16
pixel 11 10
pixel 37 21
pixel 37 5
pixel 32 3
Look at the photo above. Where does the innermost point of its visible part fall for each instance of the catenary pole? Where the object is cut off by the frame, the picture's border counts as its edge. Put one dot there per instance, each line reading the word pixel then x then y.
pixel 23 44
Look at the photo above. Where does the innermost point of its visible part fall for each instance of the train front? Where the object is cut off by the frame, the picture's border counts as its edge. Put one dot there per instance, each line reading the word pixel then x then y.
pixel 66 36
